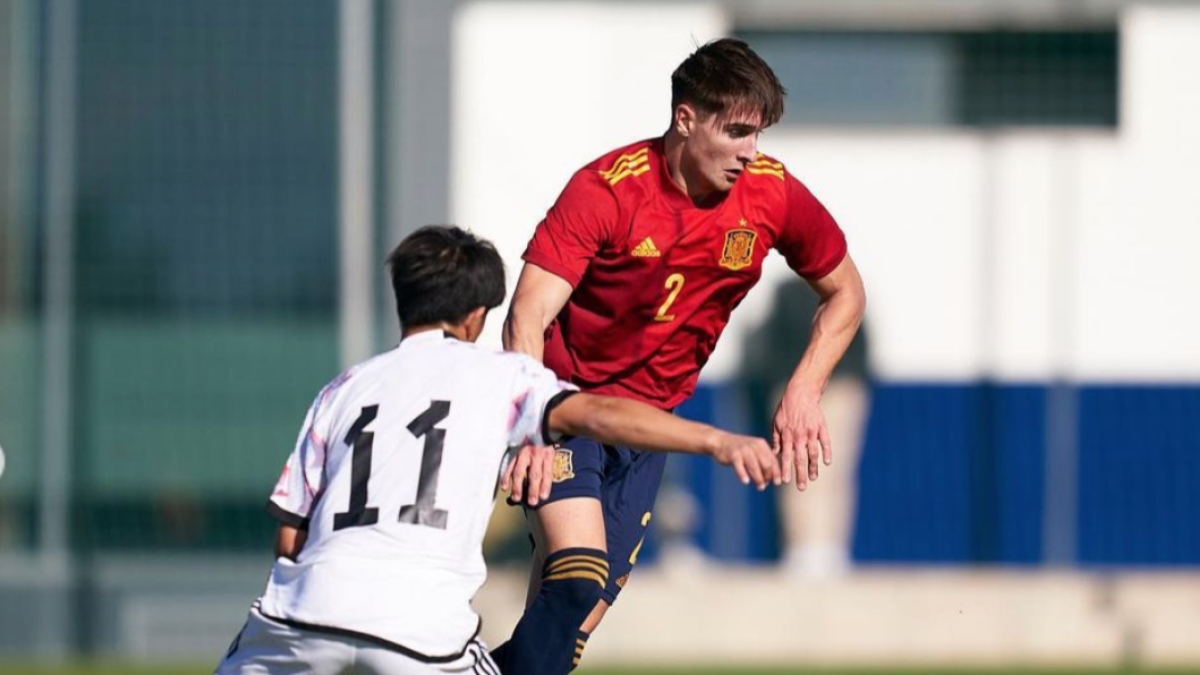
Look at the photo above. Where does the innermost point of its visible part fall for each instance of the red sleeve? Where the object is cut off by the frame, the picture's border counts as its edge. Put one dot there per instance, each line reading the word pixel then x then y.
pixel 579 225
pixel 812 242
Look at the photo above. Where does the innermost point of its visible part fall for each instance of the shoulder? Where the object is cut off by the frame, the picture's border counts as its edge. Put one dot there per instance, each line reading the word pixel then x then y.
pixel 344 384
pixel 624 165
pixel 490 357
pixel 361 372
pixel 767 176
pixel 609 180
pixel 518 363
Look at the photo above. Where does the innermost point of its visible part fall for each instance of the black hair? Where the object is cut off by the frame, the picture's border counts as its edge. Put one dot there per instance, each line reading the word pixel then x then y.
pixel 442 273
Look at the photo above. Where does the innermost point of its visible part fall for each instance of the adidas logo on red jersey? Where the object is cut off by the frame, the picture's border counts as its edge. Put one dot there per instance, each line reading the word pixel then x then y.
pixel 646 249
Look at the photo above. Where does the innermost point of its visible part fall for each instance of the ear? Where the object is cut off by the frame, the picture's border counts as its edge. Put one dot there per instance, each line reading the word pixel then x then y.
pixel 474 323
pixel 685 118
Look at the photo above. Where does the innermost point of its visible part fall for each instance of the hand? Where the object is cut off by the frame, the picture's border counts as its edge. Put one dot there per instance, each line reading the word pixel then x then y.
pixel 800 435
pixel 530 475
pixel 751 458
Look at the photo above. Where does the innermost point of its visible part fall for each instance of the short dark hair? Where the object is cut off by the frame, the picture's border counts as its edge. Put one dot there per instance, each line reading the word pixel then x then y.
pixel 726 77
pixel 442 273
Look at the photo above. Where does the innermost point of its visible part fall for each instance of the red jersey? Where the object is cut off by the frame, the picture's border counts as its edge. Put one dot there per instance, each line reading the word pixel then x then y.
pixel 655 278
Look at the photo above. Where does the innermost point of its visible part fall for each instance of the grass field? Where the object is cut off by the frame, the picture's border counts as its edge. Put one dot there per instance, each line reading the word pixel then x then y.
pixel 125 669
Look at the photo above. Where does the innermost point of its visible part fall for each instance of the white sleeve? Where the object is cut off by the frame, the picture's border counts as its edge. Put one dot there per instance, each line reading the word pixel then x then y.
pixel 535 387
pixel 304 473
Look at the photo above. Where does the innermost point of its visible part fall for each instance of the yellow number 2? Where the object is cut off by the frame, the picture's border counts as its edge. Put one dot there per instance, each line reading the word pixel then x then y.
pixel 674 284
pixel 638 549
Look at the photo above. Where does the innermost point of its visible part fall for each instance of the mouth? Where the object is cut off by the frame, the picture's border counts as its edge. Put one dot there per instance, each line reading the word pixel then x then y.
pixel 732 174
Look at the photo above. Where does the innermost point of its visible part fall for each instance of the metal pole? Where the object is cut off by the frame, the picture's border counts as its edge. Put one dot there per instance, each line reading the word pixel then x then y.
pixel 418 118
pixel 59 208
pixel 56 629
pixel 355 179
pixel 984 476
pixel 1061 488
pixel 16 144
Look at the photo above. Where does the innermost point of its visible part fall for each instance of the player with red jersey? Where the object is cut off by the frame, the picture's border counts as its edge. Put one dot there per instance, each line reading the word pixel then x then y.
pixel 663 275
pixel 627 286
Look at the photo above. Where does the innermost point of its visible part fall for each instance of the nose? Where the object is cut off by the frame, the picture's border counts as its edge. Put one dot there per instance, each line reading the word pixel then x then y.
pixel 749 149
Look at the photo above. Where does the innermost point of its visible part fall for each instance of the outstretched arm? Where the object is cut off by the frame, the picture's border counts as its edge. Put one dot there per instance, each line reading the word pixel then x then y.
pixel 798 429
pixel 624 422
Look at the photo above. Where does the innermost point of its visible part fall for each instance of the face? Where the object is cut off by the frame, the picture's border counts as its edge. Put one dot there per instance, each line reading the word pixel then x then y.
pixel 717 148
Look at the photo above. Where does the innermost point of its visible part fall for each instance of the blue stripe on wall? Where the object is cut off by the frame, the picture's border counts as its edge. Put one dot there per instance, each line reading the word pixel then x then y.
pixel 1140 470
pixel 954 474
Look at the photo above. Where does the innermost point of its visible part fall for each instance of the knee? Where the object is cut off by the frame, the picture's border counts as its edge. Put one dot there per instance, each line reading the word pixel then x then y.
pixel 573 582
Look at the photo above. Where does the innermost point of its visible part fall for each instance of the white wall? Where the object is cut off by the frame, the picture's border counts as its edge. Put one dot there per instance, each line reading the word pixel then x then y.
pixel 541 89
pixel 1021 255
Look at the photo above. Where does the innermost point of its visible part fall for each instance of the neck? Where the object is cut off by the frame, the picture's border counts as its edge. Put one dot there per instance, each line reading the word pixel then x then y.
pixel 458 331
pixel 687 181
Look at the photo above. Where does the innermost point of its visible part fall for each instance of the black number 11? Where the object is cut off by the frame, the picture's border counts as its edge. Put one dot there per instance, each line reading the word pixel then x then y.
pixel 423 512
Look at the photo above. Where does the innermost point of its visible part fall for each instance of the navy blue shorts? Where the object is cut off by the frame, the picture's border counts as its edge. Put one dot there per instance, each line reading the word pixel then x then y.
pixel 626 482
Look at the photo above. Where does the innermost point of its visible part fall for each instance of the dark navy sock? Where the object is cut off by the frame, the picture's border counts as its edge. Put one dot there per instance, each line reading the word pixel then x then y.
pixel 545 640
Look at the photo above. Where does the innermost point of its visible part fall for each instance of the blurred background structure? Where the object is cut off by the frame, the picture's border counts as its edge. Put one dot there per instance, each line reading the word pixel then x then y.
pixel 196 198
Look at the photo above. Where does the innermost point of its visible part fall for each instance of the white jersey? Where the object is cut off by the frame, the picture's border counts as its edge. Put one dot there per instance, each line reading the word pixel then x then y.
pixel 394 476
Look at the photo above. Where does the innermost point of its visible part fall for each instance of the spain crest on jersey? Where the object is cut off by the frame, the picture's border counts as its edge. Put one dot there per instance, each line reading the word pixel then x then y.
pixel 739 248
pixel 564 466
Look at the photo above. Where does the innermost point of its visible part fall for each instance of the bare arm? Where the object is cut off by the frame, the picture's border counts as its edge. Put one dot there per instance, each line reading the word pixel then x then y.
pixel 288 541
pixel 625 422
pixel 838 317
pixel 799 429
pixel 539 297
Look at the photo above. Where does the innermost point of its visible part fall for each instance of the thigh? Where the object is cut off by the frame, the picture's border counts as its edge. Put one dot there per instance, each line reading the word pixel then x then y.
pixel 572 517
pixel 602 499
pixel 265 647
pixel 628 493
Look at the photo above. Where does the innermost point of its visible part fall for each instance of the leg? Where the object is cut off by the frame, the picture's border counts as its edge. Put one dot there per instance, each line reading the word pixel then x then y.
pixel 618 486
pixel 569 536
pixel 630 486
pixel 266 647
pixel 569 566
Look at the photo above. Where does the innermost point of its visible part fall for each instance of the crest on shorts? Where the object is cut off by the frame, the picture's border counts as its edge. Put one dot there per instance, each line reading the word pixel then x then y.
pixel 564 467
pixel 739 247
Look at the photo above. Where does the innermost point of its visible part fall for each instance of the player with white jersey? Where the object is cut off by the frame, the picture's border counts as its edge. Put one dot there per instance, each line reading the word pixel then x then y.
pixel 385 500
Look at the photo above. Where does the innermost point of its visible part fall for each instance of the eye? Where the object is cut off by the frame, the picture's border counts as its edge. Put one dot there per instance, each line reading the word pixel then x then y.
pixel 738 131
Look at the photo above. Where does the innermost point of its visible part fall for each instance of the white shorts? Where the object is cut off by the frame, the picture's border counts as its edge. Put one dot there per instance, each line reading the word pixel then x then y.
pixel 266 647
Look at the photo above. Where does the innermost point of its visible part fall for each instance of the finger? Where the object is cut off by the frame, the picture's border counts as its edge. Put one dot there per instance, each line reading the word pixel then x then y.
pixel 771 467
pixel 756 474
pixel 826 444
pixel 814 458
pixel 520 468
pixel 506 477
pixel 785 457
pixel 798 456
pixel 800 465
pixel 535 478
pixel 741 471
pixel 766 464
pixel 547 474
